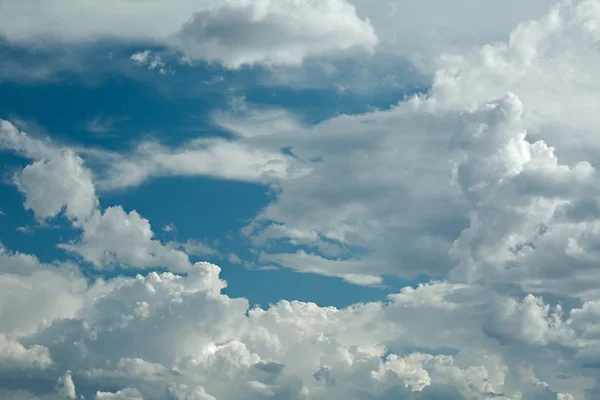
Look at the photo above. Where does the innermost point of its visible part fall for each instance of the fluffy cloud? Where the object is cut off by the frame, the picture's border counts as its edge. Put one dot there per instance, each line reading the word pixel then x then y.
pixel 115 237
pixel 15 356
pixel 75 194
pixel 58 183
pixel 164 335
pixel 66 387
pixel 233 33
pixel 33 294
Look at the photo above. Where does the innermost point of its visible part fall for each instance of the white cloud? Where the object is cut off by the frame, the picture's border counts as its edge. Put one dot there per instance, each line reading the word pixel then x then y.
pixel 66 387
pixel 115 237
pixel 233 33
pixel 382 183
pixel 353 271
pixel 14 356
pixel 59 181
pixel 151 60
pixel 33 294
pixel 162 334
pixel 75 193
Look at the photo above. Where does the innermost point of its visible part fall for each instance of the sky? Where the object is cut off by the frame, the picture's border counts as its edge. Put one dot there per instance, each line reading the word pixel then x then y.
pixel 299 200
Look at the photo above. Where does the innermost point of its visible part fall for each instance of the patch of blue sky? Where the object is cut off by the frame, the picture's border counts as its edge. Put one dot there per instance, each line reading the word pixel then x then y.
pixel 120 109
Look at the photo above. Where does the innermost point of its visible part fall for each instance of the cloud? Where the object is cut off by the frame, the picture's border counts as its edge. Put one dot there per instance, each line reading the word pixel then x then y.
pixel 213 157
pixel 264 32
pixel 58 183
pixel 152 61
pixel 233 33
pixel 14 356
pixel 411 39
pixel 169 228
pixel 421 32
pixel 492 156
pixel 34 294
pixel 75 193
pixel 161 334
pixel 379 184
pixel 117 238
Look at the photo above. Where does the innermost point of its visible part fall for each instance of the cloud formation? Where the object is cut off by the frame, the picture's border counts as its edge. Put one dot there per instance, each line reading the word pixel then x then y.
pixel 488 182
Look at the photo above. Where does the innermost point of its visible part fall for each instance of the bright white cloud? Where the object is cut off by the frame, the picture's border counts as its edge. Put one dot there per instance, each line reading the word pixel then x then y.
pixel 33 294
pixel 75 193
pixel 422 31
pixel 66 387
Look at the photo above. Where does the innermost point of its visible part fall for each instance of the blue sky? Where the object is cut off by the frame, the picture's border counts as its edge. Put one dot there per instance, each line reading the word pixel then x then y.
pixel 299 200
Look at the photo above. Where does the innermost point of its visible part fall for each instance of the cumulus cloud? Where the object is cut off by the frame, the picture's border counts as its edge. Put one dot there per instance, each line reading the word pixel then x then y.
pixel 148 59
pixel 75 194
pixel 15 356
pixel 233 33
pixel 115 237
pixel 58 183
pixel 166 335
pixel 66 387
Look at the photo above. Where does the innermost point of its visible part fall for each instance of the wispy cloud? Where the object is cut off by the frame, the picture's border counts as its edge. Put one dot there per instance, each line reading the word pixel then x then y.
pixel 152 60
